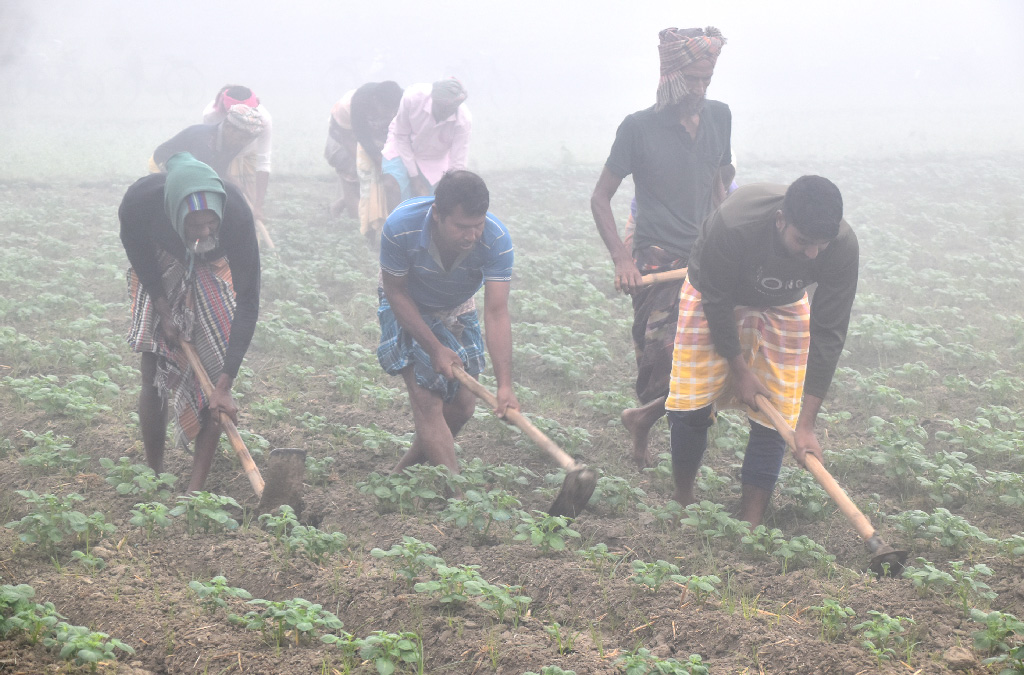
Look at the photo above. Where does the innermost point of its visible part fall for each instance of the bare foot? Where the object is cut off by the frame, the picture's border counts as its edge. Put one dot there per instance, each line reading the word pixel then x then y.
pixel 635 421
pixel 684 498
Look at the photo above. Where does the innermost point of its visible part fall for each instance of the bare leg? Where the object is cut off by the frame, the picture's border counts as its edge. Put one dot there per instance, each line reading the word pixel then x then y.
pixel 349 199
pixel 459 411
pixel 392 192
pixel 350 196
pixel 638 422
pixel 684 478
pixel 753 504
pixel 152 415
pixel 434 442
pixel 206 446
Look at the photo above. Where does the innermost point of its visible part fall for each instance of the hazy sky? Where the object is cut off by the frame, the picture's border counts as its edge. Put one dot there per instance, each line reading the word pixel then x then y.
pixel 546 80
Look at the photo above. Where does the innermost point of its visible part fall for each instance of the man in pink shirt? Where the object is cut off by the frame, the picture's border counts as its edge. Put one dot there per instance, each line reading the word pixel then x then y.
pixel 429 135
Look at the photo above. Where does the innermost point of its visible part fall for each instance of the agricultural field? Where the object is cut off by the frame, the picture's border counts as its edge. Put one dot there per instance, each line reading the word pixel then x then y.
pixel 108 568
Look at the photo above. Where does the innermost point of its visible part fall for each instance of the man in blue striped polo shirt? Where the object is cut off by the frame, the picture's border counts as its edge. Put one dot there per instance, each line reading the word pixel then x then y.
pixel 435 254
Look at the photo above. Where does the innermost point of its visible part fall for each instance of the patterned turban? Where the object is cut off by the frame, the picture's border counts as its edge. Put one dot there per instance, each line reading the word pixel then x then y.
pixel 249 120
pixel 679 48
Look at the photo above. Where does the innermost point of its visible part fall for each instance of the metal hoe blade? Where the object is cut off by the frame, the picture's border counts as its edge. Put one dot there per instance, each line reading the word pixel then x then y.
pixel 285 471
pixel 576 491
pixel 887 561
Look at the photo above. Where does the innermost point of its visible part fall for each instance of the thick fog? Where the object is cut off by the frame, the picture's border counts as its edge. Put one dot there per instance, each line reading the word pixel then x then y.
pixel 89 89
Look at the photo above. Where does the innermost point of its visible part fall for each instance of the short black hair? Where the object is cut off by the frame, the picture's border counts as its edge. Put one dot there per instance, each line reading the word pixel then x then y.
pixel 461 188
pixel 387 94
pixel 814 206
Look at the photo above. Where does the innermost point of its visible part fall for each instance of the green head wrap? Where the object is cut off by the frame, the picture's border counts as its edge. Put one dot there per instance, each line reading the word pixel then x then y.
pixel 191 186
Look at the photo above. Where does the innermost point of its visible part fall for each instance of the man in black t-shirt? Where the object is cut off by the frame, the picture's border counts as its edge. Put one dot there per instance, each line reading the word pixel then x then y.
pixel 215 145
pixel 678 152
pixel 747 328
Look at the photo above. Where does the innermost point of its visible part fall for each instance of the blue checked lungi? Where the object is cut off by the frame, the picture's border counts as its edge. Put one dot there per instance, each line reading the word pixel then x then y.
pixel 458 329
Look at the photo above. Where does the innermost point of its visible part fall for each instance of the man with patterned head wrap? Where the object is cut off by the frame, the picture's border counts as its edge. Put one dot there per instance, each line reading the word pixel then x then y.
pixel 251 167
pixel 678 152
pixel 429 135
pixel 225 147
pixel 216 145
pixel 194 276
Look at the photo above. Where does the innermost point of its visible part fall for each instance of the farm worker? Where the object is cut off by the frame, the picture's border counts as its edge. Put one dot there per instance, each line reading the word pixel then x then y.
pixel 251 168
pixel 216 145
pixel 678 152
pixel 429 135
pixel 436 252
pixel 194 276
pixel 356 135
pixel 745 323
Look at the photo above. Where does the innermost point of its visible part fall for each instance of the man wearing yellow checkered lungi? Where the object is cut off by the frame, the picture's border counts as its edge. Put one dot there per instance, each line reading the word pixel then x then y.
pixel 746 327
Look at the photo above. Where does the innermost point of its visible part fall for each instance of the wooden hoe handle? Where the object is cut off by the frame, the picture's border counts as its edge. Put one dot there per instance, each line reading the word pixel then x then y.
pixel 661 277
pixel 820 473
pixel 517 418
pixel 251 470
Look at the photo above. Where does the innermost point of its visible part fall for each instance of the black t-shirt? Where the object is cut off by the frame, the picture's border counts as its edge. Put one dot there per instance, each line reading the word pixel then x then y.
pixel 200 140
pixel 673 173
pixel 145 228
pixel 739 260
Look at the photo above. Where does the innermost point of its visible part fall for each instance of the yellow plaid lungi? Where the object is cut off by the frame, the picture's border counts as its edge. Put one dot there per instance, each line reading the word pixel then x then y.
pixel 373 208
pixel 774 342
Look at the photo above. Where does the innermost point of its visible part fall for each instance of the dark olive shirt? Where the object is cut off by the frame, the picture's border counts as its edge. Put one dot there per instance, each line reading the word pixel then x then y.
pixel 145 228
pixel 674 174
pixel 739 260
pixel 201 141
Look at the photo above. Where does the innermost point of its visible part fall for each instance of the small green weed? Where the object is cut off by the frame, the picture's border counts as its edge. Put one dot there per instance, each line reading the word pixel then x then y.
pixel 883 634
pixel 83 646
pixel 545 532
pixel 206 511
pixel 653 575
pixel 643 662
pixel 213 593
pixel 137 479
pixel 297 617
pixel 414 556
pixel 150 516
pixel 833 617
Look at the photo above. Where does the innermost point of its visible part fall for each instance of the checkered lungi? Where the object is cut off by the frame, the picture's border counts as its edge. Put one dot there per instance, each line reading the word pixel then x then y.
pixel 203 307
pixel 655 314
pixel 458 329
pixel 773 340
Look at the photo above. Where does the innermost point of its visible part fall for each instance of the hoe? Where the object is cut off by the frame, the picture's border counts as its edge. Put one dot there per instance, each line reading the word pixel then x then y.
pixel 580 480
pixel 286 466
pixel 886 559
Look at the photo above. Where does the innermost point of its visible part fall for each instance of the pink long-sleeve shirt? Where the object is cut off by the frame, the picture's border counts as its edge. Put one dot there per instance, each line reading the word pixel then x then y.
pixel 425 145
